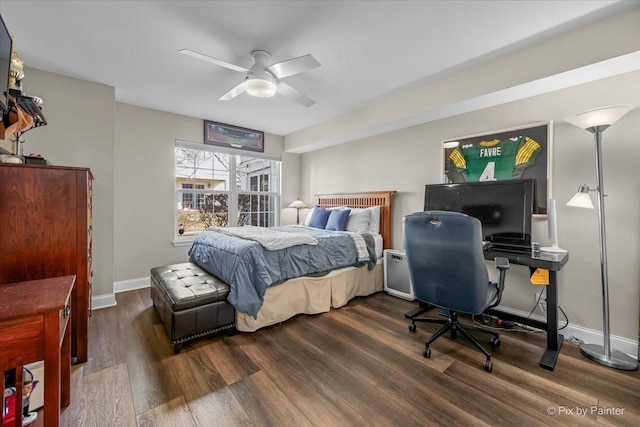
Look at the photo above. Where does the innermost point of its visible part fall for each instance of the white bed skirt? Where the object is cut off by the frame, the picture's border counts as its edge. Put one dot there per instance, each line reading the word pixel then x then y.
pixel 313 295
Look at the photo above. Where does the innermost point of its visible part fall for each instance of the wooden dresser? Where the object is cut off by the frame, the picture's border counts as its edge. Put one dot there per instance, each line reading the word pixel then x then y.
pixel 46 231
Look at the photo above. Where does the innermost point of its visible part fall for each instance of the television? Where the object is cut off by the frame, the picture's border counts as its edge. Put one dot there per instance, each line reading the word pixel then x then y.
pixel 5 62
pixel 505 208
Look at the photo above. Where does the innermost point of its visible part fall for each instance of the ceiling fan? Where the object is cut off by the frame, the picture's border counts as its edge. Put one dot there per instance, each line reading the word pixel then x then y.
pixel 262 79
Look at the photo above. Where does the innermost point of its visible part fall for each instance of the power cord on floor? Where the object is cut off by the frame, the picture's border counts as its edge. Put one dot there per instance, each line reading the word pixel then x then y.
pixel 522 328
pixel 574 340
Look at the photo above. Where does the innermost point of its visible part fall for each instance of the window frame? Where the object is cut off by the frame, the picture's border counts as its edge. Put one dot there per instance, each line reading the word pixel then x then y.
pixel 232 191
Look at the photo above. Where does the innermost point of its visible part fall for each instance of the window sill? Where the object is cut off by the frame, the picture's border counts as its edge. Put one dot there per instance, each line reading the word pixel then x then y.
pixel 181 242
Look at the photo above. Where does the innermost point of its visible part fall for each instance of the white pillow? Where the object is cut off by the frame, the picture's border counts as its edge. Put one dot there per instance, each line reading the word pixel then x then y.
pixel 359 221
pixel 374 225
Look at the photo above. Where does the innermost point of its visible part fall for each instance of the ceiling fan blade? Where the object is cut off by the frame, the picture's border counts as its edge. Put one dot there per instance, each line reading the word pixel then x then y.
pixel 294 94
pixel 293 66
pixel 216 61
pixel 238 90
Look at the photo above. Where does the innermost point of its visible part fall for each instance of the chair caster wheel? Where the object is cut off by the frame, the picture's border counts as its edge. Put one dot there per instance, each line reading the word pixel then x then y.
pixel 412 327
pixel 488 365
pixel 426 352
pixel 495 342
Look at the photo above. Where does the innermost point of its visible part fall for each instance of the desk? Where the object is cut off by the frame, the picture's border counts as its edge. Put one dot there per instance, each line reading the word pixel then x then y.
pixel 33 326
pixel 553 263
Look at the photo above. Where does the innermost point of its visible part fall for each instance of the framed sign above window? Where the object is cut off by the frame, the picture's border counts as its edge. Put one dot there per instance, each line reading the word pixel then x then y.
pixel 515 153
pixel 233 136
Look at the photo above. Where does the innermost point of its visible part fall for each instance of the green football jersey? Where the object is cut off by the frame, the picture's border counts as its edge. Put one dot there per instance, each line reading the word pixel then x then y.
pixel 496 159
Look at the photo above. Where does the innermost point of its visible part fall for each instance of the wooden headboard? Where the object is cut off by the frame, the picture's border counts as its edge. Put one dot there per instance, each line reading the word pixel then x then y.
pixel 366 199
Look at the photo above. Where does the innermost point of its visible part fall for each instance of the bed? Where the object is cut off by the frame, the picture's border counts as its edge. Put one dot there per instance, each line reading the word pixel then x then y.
pixel 305 294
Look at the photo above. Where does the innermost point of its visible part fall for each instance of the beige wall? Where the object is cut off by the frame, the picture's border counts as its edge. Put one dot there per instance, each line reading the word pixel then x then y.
pixel 407 159
pixel 145 182
pixel 79 133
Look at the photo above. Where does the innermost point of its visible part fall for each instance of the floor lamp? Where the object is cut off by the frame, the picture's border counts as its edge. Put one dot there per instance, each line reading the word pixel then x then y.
pixel 597 121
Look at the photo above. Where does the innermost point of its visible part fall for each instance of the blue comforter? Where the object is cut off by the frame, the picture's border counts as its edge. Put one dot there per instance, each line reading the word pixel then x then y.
pixel 249 269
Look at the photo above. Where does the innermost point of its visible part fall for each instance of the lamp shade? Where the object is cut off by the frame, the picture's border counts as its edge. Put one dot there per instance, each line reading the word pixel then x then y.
pixel 581 199
pixel 298 204
pixel 605 116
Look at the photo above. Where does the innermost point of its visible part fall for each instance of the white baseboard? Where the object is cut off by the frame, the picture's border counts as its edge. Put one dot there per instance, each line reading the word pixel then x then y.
pixel 103 301
pixel 587 335
pixel 109 300
pixel 131 284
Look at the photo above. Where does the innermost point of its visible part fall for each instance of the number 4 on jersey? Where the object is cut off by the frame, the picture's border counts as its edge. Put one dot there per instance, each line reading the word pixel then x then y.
pixel 489 172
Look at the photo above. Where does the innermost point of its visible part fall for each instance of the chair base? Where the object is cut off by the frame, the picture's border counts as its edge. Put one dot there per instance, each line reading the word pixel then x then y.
pixel 454 325
pixel 418 311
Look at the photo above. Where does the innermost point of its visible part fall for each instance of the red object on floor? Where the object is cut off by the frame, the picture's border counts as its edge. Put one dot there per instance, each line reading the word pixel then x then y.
pixel 10 411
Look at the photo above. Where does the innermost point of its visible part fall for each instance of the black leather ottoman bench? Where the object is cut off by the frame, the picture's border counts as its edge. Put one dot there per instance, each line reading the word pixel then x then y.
pixel 191 302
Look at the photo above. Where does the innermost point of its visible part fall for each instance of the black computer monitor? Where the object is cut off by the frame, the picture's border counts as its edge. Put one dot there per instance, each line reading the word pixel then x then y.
pixel 505 208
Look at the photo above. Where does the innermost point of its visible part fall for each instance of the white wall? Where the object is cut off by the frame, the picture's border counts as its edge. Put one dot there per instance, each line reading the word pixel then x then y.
pixel 563 57
pixel 407 159
pixel 145 183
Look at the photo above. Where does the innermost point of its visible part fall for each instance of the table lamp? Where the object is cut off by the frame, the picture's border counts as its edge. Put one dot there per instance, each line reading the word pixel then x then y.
pixel 297 205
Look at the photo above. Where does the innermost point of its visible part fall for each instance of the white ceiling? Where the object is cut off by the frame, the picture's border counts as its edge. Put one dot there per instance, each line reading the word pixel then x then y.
pixel 368 50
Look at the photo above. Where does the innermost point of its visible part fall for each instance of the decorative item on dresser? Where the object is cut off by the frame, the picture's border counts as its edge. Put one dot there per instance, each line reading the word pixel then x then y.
pixel 46 232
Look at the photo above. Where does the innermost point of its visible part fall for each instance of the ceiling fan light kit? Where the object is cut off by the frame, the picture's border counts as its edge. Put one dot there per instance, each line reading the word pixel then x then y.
pixel 260 82
pixel 260 88
pixel 264 80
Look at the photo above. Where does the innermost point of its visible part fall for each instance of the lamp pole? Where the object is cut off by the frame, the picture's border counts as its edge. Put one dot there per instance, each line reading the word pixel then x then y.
pixel 604 273
pixel 603 354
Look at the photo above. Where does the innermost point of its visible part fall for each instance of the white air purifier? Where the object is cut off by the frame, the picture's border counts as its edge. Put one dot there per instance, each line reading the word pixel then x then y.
pixel 397 281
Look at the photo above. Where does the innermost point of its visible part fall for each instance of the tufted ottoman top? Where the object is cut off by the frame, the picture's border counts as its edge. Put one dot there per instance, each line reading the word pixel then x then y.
pixel 188 285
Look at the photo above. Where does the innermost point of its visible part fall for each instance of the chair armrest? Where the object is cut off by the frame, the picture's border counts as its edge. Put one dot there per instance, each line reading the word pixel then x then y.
pixel 502 264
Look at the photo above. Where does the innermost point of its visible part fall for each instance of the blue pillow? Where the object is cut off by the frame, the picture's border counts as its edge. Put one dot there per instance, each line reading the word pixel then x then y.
pixel 338 219
pixel 319 217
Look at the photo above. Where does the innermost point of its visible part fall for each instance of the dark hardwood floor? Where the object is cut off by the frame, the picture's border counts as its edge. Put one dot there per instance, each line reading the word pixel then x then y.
pixel 355 366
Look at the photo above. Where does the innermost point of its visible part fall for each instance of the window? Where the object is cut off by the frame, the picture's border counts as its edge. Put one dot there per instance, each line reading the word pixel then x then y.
pixel 215 187
pixel 188 198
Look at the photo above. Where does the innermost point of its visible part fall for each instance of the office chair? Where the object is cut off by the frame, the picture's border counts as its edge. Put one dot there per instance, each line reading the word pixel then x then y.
pixel 448 270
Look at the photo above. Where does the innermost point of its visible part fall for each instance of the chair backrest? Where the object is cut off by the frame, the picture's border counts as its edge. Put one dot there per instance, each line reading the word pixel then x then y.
pixel 446 262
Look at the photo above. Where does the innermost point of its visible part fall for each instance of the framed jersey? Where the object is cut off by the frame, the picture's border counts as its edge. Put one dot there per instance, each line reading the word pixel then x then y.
pixel 515 153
